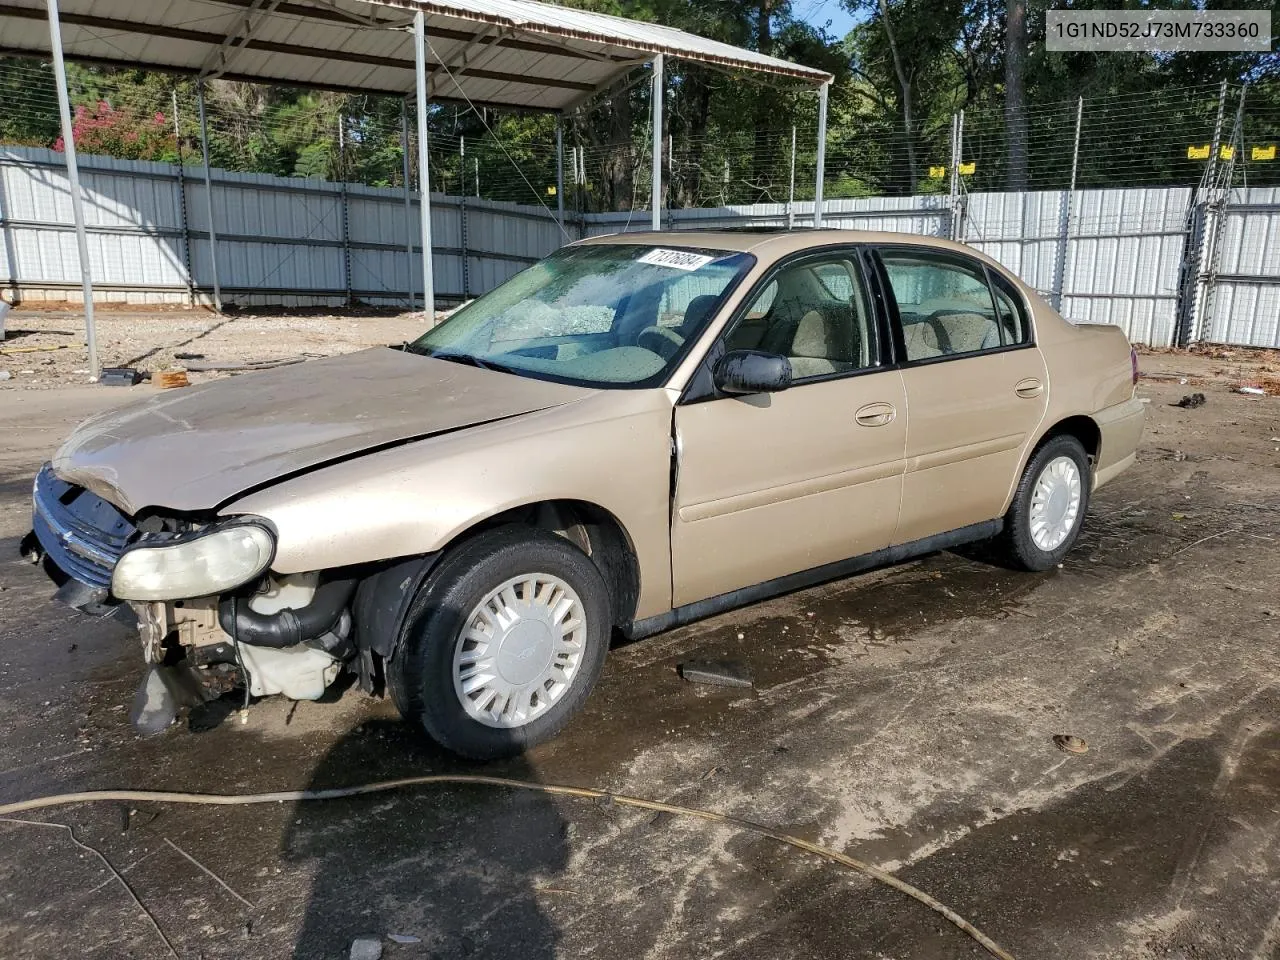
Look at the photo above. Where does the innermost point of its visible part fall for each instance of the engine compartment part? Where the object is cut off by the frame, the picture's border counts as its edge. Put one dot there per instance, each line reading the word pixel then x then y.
pixel 244 620
pixel 299 672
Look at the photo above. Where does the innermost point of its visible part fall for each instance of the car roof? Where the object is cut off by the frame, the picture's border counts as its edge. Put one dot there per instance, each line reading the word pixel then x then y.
pixel 770 245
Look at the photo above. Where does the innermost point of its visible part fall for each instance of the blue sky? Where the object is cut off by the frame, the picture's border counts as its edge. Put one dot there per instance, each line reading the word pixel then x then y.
pixel 818 12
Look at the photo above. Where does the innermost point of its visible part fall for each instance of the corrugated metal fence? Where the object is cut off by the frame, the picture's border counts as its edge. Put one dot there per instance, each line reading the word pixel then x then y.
pixel 280 240
pixel 1137 258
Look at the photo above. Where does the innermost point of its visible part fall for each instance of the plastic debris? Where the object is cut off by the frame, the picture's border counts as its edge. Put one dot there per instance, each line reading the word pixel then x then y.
pixel 5 375
pixel 1251 391
pixel 403 938
pixel 119 377
pixel 367 946
pixel 1069 743
pixel 721 673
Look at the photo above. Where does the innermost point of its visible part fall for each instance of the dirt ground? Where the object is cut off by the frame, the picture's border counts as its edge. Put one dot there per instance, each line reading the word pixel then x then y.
pixel 905 717
pixel 45 348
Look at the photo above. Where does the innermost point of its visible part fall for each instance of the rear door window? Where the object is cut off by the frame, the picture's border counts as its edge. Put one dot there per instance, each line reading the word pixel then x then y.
pixel 946 307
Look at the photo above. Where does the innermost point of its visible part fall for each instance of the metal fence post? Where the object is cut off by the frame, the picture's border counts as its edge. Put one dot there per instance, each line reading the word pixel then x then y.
pixel 957 183
pixel 821 172
pixel 346 213
pixel 73 181
pixel 954 174
pixel 1068 204
pixel 791 190
pixel 208 198
pixel 655 202
pixel 408 197
pixel 560 170
pixel 182 204
pixel 462 218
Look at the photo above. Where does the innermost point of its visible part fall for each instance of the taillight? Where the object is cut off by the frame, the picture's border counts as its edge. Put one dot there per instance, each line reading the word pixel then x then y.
pixel 1133 363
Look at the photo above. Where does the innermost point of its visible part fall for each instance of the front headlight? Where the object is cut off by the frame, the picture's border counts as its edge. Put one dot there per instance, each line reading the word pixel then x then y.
pixel 212 561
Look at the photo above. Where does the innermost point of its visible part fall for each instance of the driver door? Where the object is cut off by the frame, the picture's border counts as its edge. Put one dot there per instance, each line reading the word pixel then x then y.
pixel 777 483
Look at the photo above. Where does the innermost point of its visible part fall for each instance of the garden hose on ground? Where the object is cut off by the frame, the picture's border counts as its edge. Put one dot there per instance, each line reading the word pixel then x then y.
pixel 159 796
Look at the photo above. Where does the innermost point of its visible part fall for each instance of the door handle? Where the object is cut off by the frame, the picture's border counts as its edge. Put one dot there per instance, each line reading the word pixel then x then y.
pixel 875 414
pixel 1029 388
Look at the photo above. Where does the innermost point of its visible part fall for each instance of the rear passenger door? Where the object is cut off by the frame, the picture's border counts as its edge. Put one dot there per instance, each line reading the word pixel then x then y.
pixel 975 381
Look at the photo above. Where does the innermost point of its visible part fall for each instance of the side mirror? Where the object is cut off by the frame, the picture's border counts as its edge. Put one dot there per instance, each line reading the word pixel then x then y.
pixel 752 371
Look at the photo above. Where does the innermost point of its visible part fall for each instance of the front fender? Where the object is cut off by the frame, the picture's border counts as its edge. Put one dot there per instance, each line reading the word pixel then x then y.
pixel 612 450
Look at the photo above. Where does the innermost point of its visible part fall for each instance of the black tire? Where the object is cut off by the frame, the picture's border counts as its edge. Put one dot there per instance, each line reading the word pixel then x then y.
pixel 1015 543
pixel 420 673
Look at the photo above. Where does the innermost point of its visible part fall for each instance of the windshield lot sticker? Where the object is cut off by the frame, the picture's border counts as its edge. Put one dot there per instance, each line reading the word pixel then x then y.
pixel 679 259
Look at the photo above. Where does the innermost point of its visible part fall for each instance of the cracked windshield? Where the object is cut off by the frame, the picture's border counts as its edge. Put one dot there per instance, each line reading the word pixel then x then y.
pixel 607 315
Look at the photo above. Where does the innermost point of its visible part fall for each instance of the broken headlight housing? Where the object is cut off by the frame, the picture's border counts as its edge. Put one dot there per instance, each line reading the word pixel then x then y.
pixel 205 562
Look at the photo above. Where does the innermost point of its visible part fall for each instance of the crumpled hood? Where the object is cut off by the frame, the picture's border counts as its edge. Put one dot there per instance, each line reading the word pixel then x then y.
pixel 193 449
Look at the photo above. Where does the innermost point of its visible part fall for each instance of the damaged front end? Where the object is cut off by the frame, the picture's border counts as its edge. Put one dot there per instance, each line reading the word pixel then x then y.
pixel 202 595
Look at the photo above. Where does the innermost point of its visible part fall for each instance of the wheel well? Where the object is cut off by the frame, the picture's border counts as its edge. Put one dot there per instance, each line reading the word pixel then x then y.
pixel 1083 429
pixel 595 531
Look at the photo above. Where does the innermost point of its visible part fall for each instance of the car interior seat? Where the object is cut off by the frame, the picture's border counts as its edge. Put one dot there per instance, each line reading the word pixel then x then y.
pixel 823 342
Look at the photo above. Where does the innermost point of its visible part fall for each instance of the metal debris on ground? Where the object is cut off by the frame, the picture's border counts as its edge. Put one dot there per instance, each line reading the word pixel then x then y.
pixel 1251 391
pixel 1191 401
pixel 1069 743
pixel 367 946
pixel 721 673
pixel 405 937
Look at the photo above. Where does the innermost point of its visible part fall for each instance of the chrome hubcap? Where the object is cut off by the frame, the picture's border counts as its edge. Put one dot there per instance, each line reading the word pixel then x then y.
pixel 1055 503
pixel 519 650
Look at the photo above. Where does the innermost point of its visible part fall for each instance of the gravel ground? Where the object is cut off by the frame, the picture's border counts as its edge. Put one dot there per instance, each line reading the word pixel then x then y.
pixel 49 348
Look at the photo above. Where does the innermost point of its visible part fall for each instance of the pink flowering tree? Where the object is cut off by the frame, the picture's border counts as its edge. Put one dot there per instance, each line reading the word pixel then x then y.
pixel 121 133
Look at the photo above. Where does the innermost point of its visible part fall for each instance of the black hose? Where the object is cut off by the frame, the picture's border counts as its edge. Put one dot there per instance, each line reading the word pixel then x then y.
pixel 287 628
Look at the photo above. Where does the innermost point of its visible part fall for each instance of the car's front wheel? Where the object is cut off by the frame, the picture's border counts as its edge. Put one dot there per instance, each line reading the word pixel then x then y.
pixel 504 642
pixel 1049 506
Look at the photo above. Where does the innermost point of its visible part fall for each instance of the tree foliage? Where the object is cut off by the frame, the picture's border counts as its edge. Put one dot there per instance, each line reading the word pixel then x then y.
pixel 901 75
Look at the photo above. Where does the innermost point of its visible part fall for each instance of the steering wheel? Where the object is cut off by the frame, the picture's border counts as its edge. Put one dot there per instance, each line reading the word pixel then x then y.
pixel 662 340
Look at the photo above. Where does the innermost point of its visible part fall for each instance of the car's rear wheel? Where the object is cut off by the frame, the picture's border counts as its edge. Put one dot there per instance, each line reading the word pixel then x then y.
pixel 1049 506
pixel 505 641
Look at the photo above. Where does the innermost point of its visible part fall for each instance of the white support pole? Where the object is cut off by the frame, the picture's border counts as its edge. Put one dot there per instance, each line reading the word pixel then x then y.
pixel 424 178
pixel 560 170
pixel 208 198
pixel 424 174
pixel 655 204
pixel 822 152
pixel 73 179
pixel 408 198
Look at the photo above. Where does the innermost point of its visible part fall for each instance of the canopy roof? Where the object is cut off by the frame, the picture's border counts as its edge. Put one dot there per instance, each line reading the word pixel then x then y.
pixel 509 53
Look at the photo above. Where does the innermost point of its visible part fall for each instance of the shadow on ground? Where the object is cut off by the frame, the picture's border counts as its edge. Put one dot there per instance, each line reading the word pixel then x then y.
pixel 457 867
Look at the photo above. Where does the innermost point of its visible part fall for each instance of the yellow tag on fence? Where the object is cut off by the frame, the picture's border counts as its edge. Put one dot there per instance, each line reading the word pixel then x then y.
pixel 551 191
pixel 1198 153
pixel 937 173
pixel 1263 153
pixel 1226 153
pixel 967 169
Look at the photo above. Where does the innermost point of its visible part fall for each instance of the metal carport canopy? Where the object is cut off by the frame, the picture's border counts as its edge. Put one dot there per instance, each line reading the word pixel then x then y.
pixel 511 53
pixel 497 53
